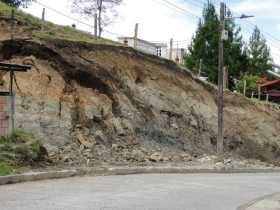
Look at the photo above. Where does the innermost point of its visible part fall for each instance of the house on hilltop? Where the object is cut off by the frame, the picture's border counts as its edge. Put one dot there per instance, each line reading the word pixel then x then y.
pixel 155 48
pixel 272 90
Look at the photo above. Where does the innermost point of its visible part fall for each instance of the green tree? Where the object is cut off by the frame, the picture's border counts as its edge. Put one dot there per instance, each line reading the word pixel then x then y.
pixel 17 3
pixel 105 10
pixel 235 52
pixel 251 84
pixel 260 59
pixel 205 45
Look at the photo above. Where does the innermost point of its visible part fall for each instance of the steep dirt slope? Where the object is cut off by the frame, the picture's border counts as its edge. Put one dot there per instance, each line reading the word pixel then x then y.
pixel 96 103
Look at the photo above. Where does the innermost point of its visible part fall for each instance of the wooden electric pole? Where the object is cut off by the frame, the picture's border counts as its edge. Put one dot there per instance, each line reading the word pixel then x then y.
pixel 200 67
pixel 225 78
pixel 171 49
pixel 43 19
pixel 95 25
pixel 220 137
pixel 12 23
pixel 244 87
pixel 136 35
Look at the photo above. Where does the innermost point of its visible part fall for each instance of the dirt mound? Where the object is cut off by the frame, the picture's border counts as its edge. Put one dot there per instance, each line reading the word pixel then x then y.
pixel 99 103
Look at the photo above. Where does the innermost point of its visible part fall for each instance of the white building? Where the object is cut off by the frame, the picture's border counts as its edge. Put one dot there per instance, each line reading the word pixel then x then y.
pixel 158 49
pixel 177 55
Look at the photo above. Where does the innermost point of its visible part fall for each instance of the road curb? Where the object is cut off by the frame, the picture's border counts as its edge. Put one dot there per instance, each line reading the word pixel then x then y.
pixel 109 171
pixel 36 176
pixel 268 202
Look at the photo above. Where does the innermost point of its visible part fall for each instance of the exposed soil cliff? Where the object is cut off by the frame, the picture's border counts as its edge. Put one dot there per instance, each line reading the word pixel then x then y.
pixel 98 103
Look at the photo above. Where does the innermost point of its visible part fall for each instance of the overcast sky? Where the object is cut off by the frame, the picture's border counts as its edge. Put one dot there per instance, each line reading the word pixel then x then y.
pixel 159 21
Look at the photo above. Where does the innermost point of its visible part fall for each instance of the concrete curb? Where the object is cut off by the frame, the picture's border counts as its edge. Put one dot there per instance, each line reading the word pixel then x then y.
pixel 109 171
pixel 270 202
pixel 28 177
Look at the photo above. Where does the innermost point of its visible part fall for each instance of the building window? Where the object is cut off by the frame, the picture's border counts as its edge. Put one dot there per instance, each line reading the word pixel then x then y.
pixel 158 51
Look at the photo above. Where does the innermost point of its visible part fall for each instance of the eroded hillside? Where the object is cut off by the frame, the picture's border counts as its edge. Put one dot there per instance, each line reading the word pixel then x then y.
pixel 98 103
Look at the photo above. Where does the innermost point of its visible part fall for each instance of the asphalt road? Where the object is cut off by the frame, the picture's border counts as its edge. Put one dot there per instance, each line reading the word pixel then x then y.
pixel 140 192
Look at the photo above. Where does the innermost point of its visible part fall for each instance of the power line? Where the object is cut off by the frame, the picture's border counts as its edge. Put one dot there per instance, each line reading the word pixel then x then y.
pixel 270 37
pixel 184 10
pixel 197 3
pixel 274 43
pixel 62 14
pixel 180 8
pixel 72 18
pixel 176 8
pixel 170 5
pixel 112 33
pixel 267 33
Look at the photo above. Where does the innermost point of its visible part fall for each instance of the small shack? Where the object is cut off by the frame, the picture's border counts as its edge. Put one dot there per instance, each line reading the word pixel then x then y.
pixel 272 90
pixel 7 98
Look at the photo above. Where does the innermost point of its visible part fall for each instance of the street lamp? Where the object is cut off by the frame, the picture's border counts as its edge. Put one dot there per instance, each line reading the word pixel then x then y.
pixel 223 37
pixel 243 16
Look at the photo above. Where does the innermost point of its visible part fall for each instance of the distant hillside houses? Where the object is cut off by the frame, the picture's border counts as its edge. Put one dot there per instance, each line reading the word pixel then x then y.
pixel 155 48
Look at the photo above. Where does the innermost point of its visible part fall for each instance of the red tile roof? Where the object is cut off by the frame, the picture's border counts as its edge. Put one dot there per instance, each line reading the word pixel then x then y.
pixel 271 83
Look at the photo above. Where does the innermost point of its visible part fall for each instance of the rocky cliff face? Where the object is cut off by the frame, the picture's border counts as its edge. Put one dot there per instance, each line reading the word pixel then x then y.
pixel 98 103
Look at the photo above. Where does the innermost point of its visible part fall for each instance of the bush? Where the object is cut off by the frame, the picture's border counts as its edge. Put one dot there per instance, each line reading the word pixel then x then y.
pixel 5 169
pixel 21 149
pixel 27 147
pixel 251 84
pixel 20 136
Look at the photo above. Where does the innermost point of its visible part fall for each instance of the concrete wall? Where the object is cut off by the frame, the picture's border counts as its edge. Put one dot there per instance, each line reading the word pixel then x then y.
pixel 180 52
pixel 153 48
pixel 141 45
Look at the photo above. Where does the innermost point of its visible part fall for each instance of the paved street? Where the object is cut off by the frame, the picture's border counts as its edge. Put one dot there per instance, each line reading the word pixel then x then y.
pixel 140 192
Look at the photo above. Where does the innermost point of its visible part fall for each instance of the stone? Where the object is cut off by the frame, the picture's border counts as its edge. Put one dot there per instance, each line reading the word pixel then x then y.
pixel 165 159
pixel 118 127
pixel 99 136
pixel 174 125
pixel 176 158
pixel 205 159
pixel 219 165
pixel 66 159
pixel 84 141
pixel 138 155
pixel 155 157
pixel 186 157
pixel 193 122
pixel 115 147
pixel 227 161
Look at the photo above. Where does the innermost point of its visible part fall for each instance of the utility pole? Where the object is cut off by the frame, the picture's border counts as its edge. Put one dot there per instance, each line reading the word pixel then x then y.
pixel 12 101
pixel 136 35
pixel 220 137
pixel 225 77
pixel 95 25
pixel 12 23
pixel 43 19
pixel 244 87
pixel 259 92
pixel 177 53
pixel 171 49
pixel 200 67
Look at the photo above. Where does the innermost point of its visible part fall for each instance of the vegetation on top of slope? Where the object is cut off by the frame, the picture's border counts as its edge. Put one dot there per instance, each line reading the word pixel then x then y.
pixel 51 30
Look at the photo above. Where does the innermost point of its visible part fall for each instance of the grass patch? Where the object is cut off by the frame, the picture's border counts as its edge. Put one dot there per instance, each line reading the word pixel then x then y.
pixel 51 30
pixel 20 149
pixel 5 169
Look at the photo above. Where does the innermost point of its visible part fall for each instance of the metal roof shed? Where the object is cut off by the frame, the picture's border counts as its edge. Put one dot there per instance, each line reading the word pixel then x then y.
pixel 11 68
